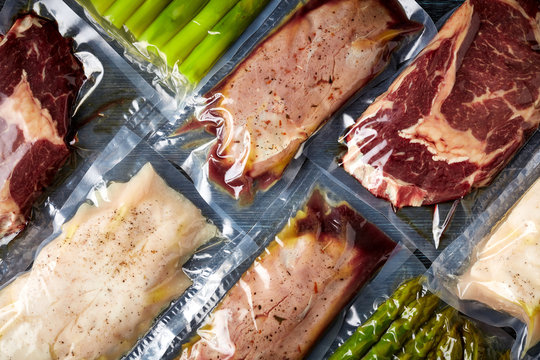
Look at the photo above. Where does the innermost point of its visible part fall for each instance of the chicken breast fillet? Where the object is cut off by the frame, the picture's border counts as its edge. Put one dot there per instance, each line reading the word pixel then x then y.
pixel 98 286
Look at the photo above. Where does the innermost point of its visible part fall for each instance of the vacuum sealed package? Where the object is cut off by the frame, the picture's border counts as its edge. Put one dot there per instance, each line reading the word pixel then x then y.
pixel 448 123
pixel 396 317
pixel 119 256
pixel 177 43
pixel 316 251
pixel 247 132
pixel 60 108
pixel 491 271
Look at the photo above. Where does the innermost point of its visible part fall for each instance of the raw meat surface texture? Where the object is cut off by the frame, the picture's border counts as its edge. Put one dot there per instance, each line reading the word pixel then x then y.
pixel 39 81
pixel 295 288
pixel 458 113
pixel 96 288
pixel 292 83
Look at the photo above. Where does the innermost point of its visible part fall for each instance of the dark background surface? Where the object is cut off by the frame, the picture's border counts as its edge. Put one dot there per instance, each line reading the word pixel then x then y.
pixel 436 9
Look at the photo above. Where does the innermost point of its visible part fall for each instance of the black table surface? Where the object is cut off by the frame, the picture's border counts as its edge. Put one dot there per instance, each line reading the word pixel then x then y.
pixel 436 9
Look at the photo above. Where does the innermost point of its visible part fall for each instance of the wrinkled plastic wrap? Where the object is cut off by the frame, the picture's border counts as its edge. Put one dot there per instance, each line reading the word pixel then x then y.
pixel 382 142
pixel 494 264
pixel 259 252
pixel 77 122
pixel 254 138
pixel 179 46
pixel 38 91
pixel 131 238
pixel 314 222
pixel 379 307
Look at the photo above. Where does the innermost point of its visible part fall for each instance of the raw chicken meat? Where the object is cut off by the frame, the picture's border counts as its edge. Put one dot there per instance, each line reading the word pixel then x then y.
pixel 98 286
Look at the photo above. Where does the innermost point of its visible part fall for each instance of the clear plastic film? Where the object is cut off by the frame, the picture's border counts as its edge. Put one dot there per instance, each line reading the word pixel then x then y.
pixel 491 271
pixel 277 305
pixel 382 321
pixel 133 237
pixel 177 45
pixel 420 143
pixel 60 108
pixel 246 133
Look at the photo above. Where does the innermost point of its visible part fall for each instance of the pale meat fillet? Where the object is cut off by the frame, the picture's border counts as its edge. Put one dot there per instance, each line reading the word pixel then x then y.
pixel 295 288
pixel 458 113
pixel 505 272
pixel 97 287
pixel 282 93
pixel 39 81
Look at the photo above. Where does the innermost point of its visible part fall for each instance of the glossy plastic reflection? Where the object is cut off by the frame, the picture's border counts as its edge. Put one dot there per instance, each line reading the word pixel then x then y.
pixel 292 83
pixel 296 287
pixel 96 288
pixel 40 81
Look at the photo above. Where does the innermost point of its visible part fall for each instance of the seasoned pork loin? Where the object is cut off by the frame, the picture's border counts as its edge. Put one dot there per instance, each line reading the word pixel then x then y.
pixel 294 81
pixel 98 286
pixel 458 113
pixel 295 288
pixel 39 81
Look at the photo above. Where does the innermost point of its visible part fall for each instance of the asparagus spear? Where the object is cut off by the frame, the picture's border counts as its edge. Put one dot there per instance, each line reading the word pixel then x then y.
pixel 369 333
pixel 145 14
pixel 195 31
pixel 102 5
pixel 175 16
pixel 450 347
pixel 226 31
pixel 428 336
pixel 414 315
pixel 473 346
pixel 121 10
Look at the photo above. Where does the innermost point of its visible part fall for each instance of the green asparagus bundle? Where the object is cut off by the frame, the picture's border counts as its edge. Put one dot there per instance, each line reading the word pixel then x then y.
pixel 450 347
pixel 196 30
pixel 370 332
pixel 428 336
pixel 407 326
pixel 192 34
pixel 121 10
pixel 473 342
pixel 414 315
pixel 171 20
pixel 102 5
pixel 217 41
pixel 145 15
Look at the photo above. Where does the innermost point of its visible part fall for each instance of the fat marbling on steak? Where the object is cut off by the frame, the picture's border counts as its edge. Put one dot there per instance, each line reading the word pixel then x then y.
pixel 293 82
pixel 39 81
pixel 458 113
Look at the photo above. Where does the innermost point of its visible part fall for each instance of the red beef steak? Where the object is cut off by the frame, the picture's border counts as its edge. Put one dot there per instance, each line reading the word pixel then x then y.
pixel 458 113
pixel 39 81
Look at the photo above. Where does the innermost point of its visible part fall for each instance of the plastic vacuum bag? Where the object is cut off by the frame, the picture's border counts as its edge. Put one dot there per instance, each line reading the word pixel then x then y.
pixel 131 238
pixel 318 224
pixel 427 224
pixel 383 304
pixel 245 149
pixel 491 271
pixel 177 45
pixel 95 116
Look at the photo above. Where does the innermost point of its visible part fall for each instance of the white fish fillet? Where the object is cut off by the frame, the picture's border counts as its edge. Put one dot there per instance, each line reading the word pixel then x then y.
pixel 97 287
